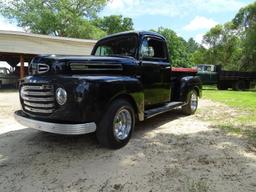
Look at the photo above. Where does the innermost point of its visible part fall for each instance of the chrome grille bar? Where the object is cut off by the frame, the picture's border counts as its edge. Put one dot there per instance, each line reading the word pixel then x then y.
pixel 26 98
pixel 46 105
pixel 38 110
pixel 37 87
pixel 38 98
pixel 96 67
pixel 33 93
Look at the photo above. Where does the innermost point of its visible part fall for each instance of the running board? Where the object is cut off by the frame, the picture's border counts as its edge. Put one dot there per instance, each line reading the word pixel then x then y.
pixel 167 107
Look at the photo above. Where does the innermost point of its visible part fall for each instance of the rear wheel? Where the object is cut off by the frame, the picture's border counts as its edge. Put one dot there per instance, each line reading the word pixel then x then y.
pixel 192 103
pixel 222 87
pixel 239 85
pixel 116 126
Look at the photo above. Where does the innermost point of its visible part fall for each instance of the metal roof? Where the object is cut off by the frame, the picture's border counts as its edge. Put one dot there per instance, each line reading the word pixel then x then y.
pixel 34 44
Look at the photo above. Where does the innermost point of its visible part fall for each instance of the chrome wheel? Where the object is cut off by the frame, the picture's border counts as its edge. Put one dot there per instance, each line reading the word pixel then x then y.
pixel 122 124
pixel 193 102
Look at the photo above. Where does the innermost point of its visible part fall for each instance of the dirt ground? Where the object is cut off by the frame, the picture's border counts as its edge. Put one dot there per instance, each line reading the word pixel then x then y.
pixel 170 152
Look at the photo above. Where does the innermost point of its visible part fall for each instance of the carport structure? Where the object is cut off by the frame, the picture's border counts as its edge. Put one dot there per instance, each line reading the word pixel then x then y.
pixel 20 47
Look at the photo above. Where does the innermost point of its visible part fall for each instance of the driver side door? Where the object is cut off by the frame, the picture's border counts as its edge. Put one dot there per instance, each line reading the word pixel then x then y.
pixel 155 71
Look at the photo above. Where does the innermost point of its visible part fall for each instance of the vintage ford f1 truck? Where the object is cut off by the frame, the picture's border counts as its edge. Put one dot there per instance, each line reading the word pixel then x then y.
pixel 127 78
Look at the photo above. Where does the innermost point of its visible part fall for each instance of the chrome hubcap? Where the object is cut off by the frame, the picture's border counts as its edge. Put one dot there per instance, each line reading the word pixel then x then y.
pixel 193 103
pixel 122 124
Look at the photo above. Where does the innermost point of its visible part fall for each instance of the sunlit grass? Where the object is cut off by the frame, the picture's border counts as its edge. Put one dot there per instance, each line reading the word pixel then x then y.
pixel 244 102
pixel 8 90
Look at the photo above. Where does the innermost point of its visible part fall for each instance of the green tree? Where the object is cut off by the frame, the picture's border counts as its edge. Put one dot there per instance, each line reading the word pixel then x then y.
pixel 199 56
pixel 192 45
pixel 212 39
pixel 177 48
pixel 194 51
pixel 224 46
pixel 114 24
pixel 233 44
pixel 245 22
pixel 69 18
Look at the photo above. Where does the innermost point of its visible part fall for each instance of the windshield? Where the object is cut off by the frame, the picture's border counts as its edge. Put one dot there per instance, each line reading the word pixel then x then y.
pixel 117 46
pixel 205 68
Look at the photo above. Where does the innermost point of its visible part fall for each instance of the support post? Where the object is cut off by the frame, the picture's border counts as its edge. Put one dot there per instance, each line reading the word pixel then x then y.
pixel 22 70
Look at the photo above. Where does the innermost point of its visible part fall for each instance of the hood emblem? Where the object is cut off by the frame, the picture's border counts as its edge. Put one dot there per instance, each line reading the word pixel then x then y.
pixel 39 68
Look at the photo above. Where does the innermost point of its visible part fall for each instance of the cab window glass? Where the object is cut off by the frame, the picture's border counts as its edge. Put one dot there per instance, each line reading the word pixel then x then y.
pixel 207 68
pixel 200 68
pixel 153 49
pixel 104 50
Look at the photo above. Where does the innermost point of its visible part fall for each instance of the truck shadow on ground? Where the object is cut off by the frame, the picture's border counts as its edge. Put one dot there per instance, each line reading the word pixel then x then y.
pixel 88 141
pixel 34 161
pixel 157 121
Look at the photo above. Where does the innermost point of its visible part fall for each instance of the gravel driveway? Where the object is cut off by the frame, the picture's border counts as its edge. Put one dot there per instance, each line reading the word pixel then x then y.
pixel 170 152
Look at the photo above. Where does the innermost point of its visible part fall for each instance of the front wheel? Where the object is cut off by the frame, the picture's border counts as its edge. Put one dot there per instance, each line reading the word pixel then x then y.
pixel 116 126
pixel 192 102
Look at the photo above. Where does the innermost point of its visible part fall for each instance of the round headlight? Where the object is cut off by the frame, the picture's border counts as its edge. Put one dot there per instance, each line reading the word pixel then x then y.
pixel 61 96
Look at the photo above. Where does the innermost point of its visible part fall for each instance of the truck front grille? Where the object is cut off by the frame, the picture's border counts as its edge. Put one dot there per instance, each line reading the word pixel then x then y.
pixel 38 99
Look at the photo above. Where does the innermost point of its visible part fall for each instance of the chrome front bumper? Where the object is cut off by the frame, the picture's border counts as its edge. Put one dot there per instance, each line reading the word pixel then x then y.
pixel 59 128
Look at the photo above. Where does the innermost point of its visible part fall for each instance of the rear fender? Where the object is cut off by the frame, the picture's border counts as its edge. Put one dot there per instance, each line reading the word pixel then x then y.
pixel 188 84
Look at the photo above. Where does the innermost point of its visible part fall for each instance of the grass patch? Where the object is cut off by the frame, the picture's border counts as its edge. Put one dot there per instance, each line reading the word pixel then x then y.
pixel 209 87
pixel 231 129
pixel 196 186
pixel 248 131
pixel 10 90
pixel 244 102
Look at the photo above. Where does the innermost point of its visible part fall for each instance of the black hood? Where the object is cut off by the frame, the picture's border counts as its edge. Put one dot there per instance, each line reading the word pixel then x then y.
pixel 82 65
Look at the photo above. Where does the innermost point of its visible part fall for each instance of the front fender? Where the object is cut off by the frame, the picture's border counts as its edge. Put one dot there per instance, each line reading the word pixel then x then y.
pixel 106 89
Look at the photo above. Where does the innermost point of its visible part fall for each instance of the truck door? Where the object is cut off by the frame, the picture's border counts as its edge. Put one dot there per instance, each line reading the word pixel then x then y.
pixel 155 71
pixel 214 74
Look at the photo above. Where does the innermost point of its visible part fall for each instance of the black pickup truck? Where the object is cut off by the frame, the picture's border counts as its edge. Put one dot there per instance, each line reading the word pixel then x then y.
pixel 127 78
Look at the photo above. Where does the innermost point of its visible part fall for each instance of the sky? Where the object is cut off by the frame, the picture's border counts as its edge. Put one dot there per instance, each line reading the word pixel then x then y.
pixel 188 18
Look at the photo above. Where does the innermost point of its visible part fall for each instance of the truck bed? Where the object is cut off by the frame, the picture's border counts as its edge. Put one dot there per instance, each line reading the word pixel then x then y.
pixel 236 75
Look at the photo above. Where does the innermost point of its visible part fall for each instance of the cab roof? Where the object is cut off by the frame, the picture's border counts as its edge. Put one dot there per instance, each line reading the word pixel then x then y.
pixel 139 33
